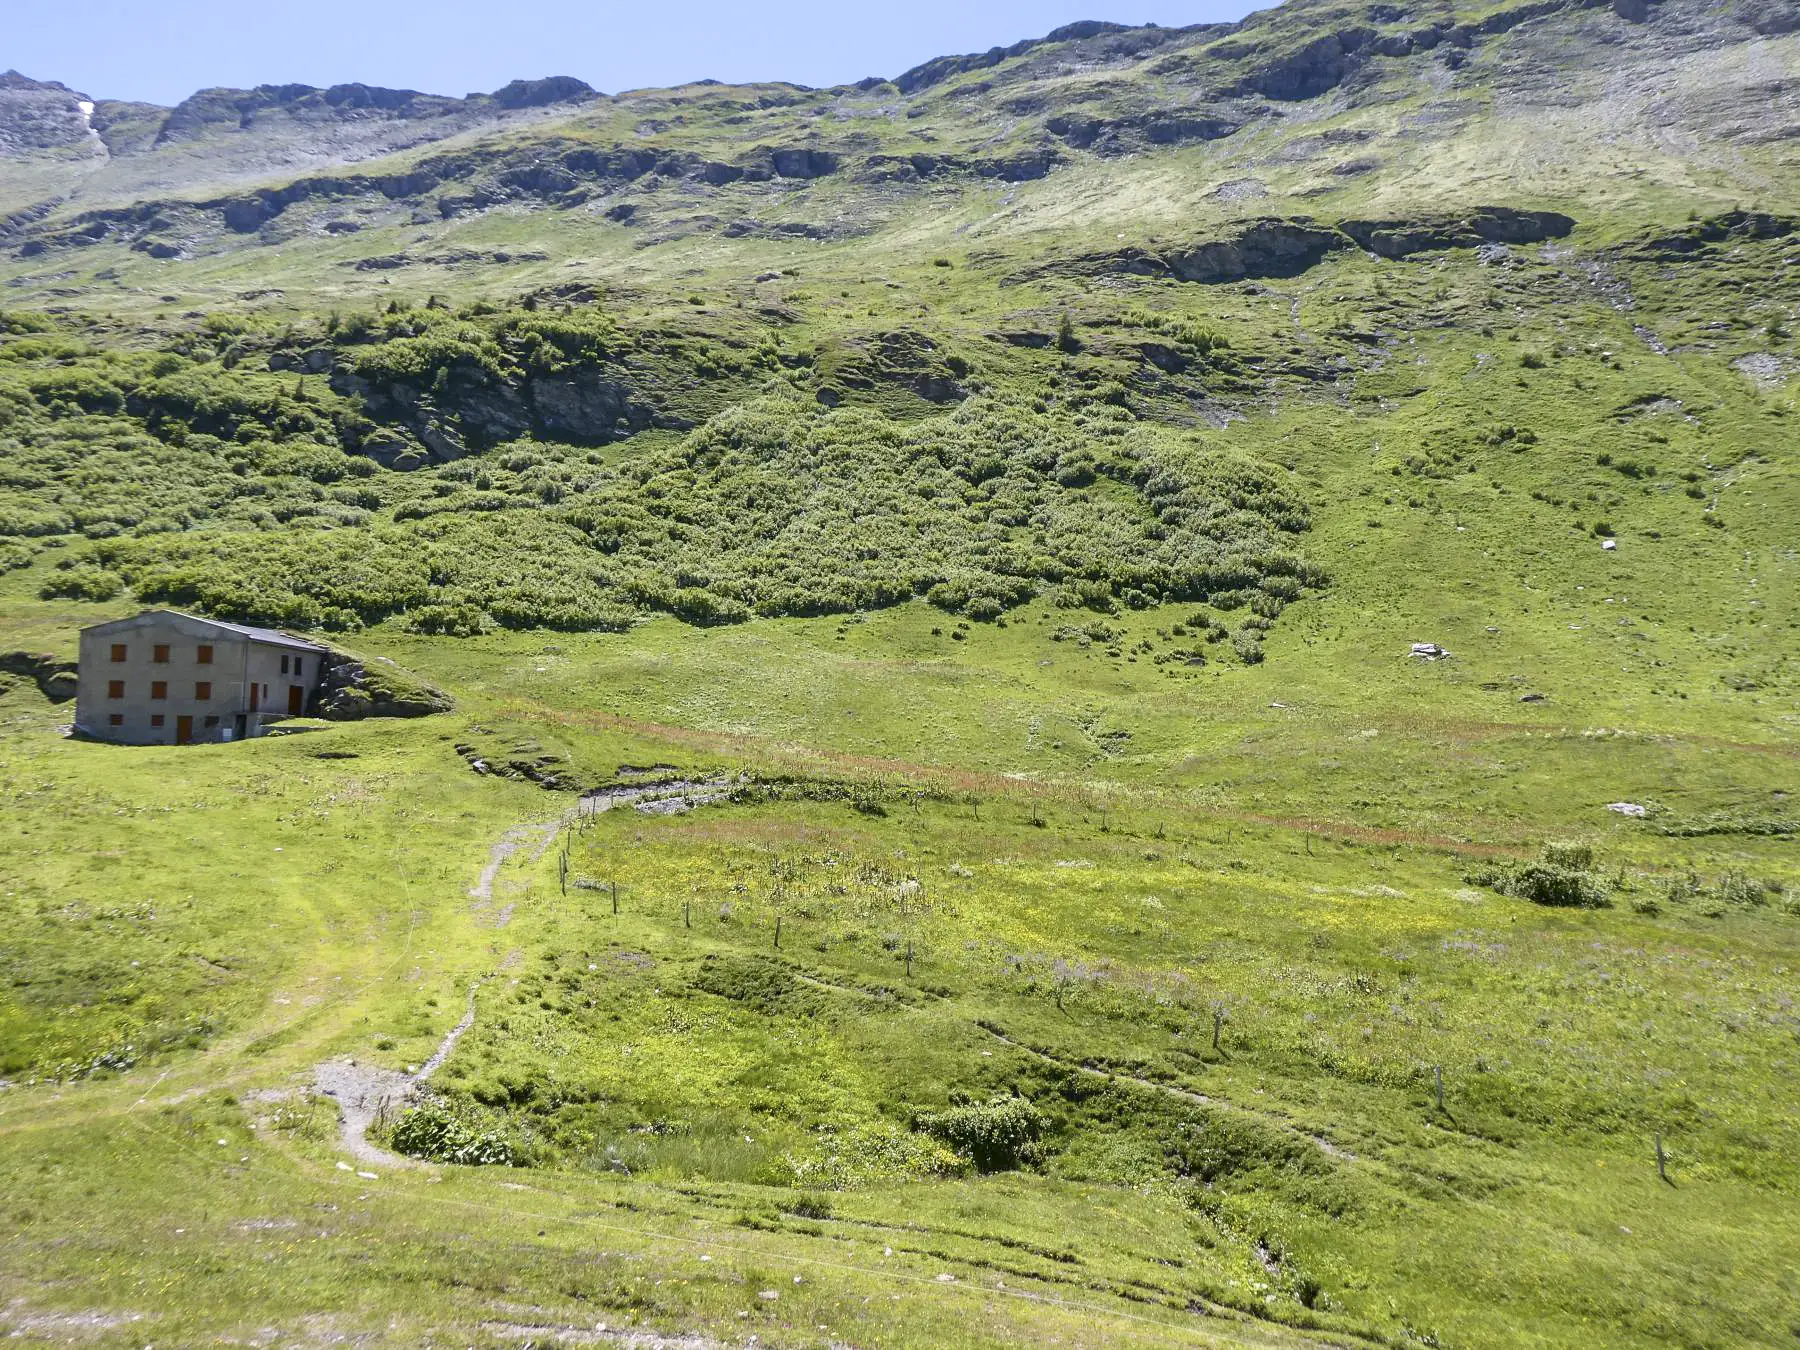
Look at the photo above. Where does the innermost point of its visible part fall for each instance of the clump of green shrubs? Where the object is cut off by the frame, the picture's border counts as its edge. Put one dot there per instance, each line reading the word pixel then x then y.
pixel 998 1135
pixel 1730 890
pixel 1562 877
pixel 264 491
pixel 430 1131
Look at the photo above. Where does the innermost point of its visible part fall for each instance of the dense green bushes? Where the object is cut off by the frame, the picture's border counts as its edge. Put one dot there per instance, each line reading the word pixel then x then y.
pixel 450 573
pixel 430 1131
pixel 239 492
pixel 1563 877
pixel 997 1135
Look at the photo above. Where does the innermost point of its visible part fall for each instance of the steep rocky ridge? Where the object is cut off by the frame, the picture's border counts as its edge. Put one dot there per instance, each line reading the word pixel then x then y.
pixel 1010 114
pixel 1211 153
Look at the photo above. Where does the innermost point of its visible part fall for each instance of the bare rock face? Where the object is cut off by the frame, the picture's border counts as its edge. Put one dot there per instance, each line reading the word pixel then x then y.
pixel 55 679
pixel 1484 225
pixel 587 407
pixel 39 117
pixel 1287 246
pixel 1266 248
pixel 1122 135
pixel 803 163
pixel 1727 228
pixel 352 689
pixel 1318 66
pixel 542 93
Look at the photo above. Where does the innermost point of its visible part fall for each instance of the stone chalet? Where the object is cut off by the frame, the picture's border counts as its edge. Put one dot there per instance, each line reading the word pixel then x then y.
pixel 168 678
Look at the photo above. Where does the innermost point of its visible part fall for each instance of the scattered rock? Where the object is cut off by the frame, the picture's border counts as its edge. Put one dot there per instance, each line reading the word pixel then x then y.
pixel 527 762
pixel 1429 651
pixel 1534 698
pixel 1632 809
pixel 1765 369
pixel 1609 544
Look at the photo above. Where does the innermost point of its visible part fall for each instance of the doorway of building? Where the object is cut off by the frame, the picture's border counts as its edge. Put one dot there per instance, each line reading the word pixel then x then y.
pixel 296 699
pixel 184 730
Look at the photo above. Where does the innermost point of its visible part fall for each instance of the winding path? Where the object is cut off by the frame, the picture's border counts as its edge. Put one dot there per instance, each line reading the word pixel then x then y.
pixel 364 1091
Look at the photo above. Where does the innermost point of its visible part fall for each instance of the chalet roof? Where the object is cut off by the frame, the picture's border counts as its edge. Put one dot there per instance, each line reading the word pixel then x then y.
pixel 273 637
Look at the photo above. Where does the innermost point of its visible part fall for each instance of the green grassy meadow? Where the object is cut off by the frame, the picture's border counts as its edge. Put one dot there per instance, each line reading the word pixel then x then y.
pixel 185 946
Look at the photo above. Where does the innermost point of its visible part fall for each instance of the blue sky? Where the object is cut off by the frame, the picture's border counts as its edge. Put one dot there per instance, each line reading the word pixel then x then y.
pixel 162 51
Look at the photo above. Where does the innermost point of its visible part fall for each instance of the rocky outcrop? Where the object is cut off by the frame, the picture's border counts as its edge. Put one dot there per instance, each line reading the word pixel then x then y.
pixel 218 109
pixel 1288 246
pixel 1265 248
pixel 391 262
pixel 1271 247
pixel 901 359
pixel 941 68
pixel 55 679
pixel 352 689
pixel 543 93
pixel 239 109
pixel 20 220
pixel 802 163
pixel 1124 40
pixel 1025 166
pixel 38 117
pixel 1120 135
pixel 475 411
pixel 250 213
pixel 1699 236
pixel 1484 225
pixel 1315 68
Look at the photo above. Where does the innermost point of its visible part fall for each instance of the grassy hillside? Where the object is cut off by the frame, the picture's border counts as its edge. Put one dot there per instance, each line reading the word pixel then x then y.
pixel 952 551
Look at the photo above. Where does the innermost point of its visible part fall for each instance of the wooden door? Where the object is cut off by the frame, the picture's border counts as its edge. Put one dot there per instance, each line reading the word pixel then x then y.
pixel 184 731
pixel 296 699
pixel 253 688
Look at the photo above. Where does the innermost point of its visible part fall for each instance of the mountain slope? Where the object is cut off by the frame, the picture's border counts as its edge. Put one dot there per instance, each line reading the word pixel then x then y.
pixel 1328 108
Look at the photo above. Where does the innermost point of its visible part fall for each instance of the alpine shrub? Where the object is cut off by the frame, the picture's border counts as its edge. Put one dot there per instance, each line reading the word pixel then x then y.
pixel 431 1132
pixel 997 1135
